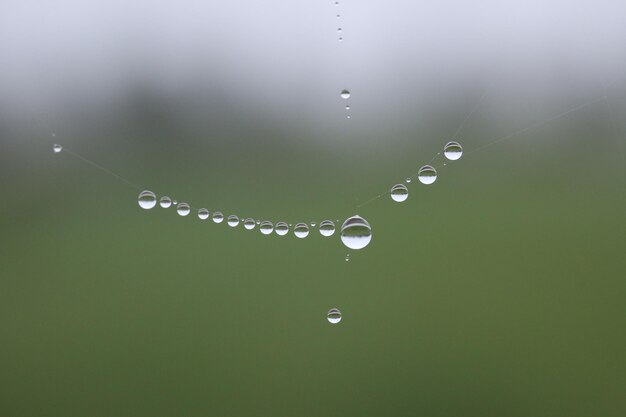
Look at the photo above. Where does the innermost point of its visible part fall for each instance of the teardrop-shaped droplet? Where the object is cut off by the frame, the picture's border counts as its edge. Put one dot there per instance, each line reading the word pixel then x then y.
pixel 356 232
pixel 427 175
pixel 218 217
pixel 301 230
pixel 203 214
pixel 281 228
pixel 249 223
pixel 146 199
pixel 233 220
pixel 345 94
pixel 399 193
pixel 266 227
pixel 327 228
pixel 183 209
pixel 56 148
pixel 165 202
pixel 333 316
pixel 453 151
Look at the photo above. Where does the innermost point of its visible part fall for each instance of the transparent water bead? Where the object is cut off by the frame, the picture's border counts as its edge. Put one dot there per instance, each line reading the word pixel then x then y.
pixel 203 214
pixel 266 227
pixel 165 202
pixel 301 230
pixel 356 233
pixel 453 151
pixel 399 193
pixel 218 217
pixel 327 228
pixel 333 316
pixel 183 209
pixel 281 228
pixel 345 94
pixel 249 224
pixel 56 148
pixel 146 199
pixel 233 221
pixel 427 175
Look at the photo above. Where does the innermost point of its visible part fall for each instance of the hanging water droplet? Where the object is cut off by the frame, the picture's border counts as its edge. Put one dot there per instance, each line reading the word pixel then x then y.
pixel 453 151
pixel 266 227
pixel 218 217
pixel 427 174
pixel 183 209
pixel 203 214
pixel 165 202
pixel 345 94
pixel 249 223
pixel 399 193
pixel 232 220
pixel 301 230
pixel 408 180
pixel 327 228
pixel 356 232
pixel 333 316
pixel 56 148
pixel 281 228
pixel 146 199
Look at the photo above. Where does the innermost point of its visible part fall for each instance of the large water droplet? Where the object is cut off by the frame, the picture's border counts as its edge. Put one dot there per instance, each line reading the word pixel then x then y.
pixel 327 228
pixel 56 148
pixel 266 227
pixel 333 316
pixel 249 223
pixel 218 217
pixel 203 214
pixel 345 94
pixel 146 199
pixel 427 174
pixel 165 202
pixel 281 228
pixel 453 151
pixel 232 220
pixel 399 193
pixel 183 209
pixel 356 232
pixel 301 230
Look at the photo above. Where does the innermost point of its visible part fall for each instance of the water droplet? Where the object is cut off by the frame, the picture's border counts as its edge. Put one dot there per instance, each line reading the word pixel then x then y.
pixel 203 214
pixel 345 94
pixel 399 193
pixel 281 228
pixel 333 316
pixel 408 180
pixel 249 223
pixel 56 148
pixel 427 174
pixel 327 228
pixel 453 151
pixel 165 202
pixel 183 209
pixel 266 227
pixel 232 220
pixel 218 217
pixel 146 199
pixel 301 230
pixel 356 232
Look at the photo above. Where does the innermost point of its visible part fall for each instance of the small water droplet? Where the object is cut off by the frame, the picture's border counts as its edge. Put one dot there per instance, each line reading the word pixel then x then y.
pixel 56 148
pixel 165 202
pixel 266 227
pixel 146 199
pixel 333 316
pixel 218 217
pixel 281 228
pixel 453 151
pixel 408 180
pixel 356 232
pixel 183 209
pixel 203 214
pixel 249 223
pixel 399 193
pixel 327 228
pixel 345 94
pixel 301 230
pixel 427 175
pixel 233 221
